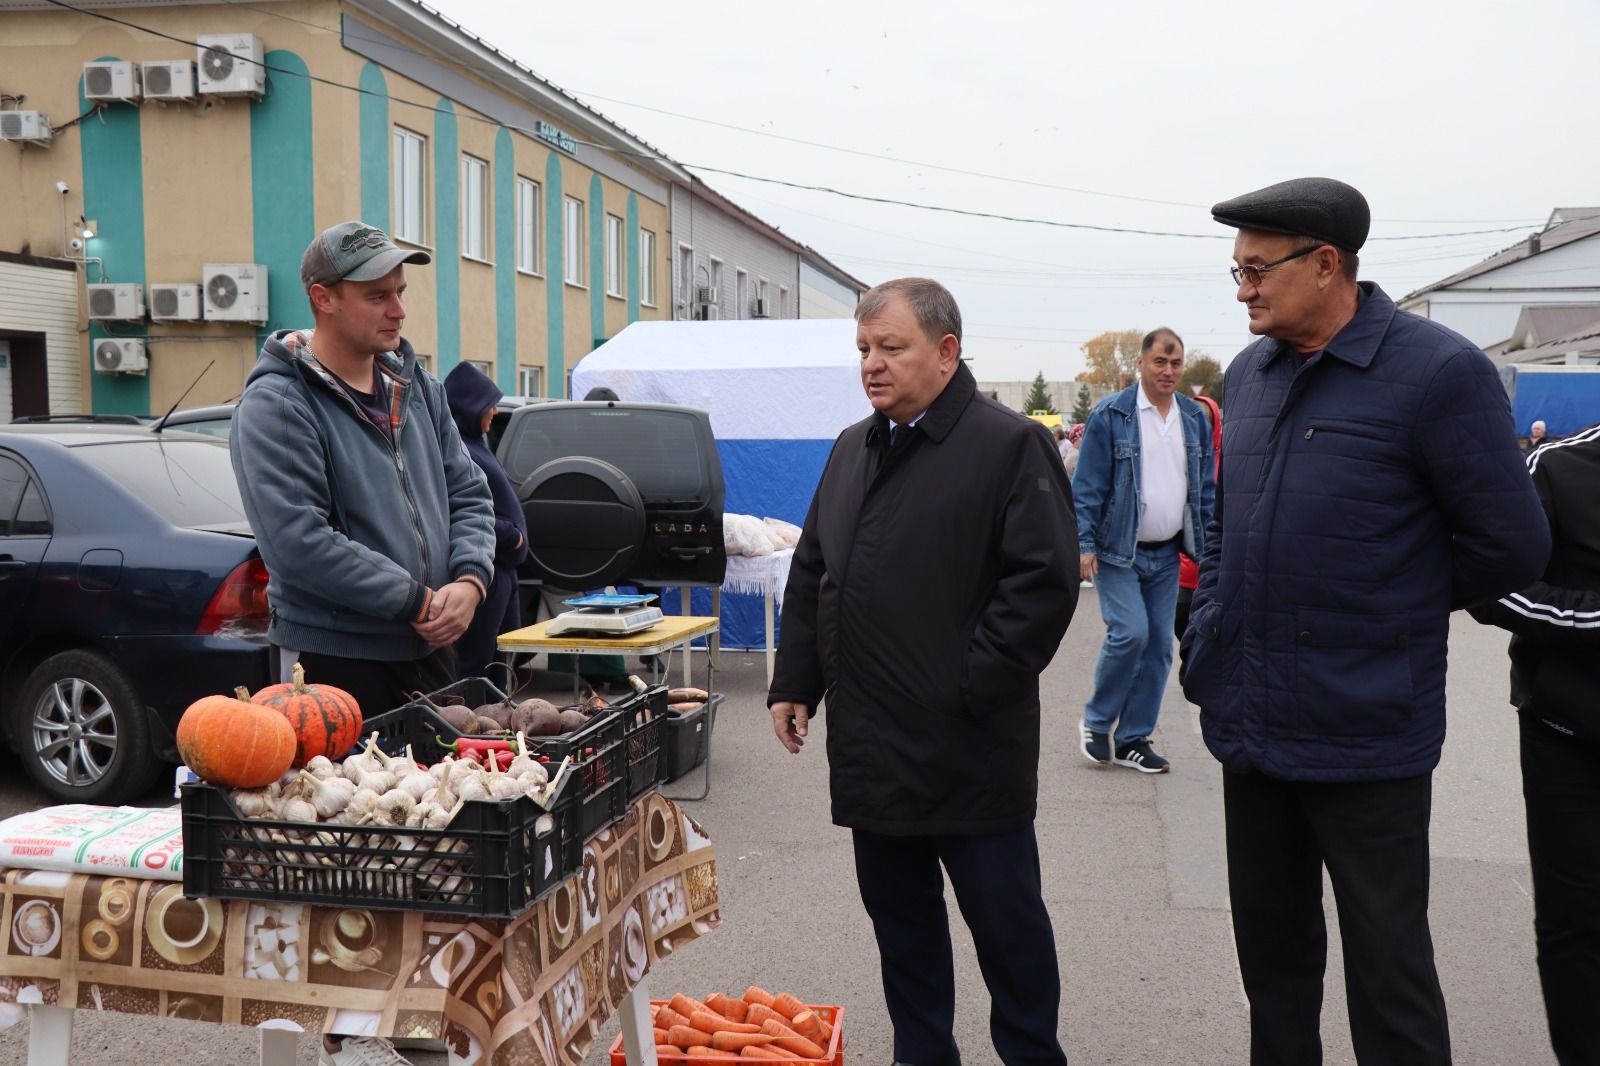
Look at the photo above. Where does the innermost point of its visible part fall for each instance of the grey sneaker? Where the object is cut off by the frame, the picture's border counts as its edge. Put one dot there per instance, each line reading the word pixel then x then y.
pixel 1096 747
pixel 364 1051
pixel 1139 755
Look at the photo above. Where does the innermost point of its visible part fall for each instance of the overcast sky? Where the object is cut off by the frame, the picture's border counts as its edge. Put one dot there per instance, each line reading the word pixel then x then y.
pixel 1458 116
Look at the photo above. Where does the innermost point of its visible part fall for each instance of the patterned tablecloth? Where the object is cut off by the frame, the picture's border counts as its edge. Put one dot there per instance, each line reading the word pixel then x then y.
pixel 532 991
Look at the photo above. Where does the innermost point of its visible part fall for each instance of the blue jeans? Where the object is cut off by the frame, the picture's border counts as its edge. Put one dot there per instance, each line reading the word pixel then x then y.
pixel 1138 603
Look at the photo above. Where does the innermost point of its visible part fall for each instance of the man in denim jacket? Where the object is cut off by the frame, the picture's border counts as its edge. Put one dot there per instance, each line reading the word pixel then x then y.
pixel 1144 490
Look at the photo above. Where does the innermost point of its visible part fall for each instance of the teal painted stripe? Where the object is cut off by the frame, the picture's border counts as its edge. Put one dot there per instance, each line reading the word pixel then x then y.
pixel 113 195
pixel 505 261
pixel 633 257
pixel 554 285
pixel 375 142
pixel 281 186
pixel 447 235
pixel 597 260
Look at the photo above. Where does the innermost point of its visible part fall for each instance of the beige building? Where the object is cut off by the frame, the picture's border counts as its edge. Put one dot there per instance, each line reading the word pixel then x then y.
pixel 179 165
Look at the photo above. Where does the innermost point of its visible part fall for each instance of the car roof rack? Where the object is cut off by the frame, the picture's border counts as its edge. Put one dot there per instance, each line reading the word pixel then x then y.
pixel 114 420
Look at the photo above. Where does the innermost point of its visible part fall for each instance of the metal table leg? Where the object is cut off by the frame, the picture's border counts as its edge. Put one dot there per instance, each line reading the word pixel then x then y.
pixel 49 1035
pixel 638 1040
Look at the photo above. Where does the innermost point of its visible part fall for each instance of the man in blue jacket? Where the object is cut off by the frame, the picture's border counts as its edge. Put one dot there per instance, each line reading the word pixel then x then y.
pixel 1370 484
pixel 376 526
pixel 1143 490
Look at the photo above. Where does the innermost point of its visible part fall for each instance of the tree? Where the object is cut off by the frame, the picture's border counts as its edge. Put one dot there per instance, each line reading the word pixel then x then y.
pixel 1200 369
pixel 1111 358
pixel 1081 409
pixel 1038 398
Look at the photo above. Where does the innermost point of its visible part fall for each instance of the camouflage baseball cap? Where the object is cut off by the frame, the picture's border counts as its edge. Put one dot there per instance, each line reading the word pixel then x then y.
pixel 353 251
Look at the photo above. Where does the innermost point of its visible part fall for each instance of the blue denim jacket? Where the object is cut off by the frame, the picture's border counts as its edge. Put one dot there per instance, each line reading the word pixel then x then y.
pixel 1105 489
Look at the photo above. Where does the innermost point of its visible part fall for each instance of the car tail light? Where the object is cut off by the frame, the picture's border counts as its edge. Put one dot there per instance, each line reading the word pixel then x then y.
pixel 239 607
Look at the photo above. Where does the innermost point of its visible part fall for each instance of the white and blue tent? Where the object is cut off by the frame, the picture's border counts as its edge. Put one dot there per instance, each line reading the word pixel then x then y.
pixel 778 391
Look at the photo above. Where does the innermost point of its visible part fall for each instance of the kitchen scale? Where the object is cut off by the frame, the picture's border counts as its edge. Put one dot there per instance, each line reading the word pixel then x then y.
pixel 608 613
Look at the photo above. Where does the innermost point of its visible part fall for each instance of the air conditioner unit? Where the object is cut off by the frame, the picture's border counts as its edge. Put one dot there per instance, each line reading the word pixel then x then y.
pixel 231 65
pixel 120 355
pixel 168 79
pixel 235 292
pixel 32 127
pixel 708 313
pixel 112 80
pixel 705 294
pixel 760 309
pixel 175 303
pixel 124 302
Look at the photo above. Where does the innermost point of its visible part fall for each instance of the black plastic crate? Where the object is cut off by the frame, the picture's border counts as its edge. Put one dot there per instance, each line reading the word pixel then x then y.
pixel 490 861
pixel 688 738
pixel 646 725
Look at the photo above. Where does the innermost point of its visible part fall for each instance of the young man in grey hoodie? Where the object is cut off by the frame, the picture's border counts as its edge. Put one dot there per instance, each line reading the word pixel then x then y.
pixel 376 526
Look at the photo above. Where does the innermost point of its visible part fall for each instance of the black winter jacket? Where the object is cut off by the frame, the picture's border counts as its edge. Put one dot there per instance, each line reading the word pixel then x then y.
pixel 1364 494
pixel 1555 649
pixel 931 586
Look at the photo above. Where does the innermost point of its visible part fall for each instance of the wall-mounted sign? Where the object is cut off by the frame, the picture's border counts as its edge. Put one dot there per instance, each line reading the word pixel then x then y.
pixel 555 137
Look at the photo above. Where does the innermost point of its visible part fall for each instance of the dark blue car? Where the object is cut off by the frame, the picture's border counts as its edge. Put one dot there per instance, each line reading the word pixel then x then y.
pixel 130 586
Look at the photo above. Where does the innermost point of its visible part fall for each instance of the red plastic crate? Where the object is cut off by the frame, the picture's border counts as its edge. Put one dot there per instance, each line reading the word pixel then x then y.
pixel 834 1016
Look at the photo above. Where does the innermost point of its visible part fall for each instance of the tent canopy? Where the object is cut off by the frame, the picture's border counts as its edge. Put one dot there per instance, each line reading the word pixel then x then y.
pixel 761 379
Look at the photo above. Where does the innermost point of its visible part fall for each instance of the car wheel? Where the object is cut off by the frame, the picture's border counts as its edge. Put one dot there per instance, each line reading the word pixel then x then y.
pixel 81 731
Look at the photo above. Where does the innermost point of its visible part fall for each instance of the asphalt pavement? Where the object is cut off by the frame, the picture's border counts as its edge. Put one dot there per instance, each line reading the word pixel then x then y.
pixel 1134 878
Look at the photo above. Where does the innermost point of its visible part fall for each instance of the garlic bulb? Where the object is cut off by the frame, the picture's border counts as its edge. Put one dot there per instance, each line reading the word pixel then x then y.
pixel 362 803
pixel 329 797
pixel 394 805
pixel 321 767
pixel 380 781
pixel 473 788
pixel 255 803
pixel 418 783
pixel 297 810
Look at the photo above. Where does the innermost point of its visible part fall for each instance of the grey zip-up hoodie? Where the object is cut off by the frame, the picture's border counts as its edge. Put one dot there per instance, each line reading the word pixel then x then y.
pixel 356 531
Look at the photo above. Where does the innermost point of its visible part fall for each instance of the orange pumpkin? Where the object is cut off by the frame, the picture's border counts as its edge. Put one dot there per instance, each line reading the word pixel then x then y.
pixel 326 720
pixel 233 742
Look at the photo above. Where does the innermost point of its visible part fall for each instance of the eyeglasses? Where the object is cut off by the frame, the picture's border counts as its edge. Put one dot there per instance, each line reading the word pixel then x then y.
pixel 1252 273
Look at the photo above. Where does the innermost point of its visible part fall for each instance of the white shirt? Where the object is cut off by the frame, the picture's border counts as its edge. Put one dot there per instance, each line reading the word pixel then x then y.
pixel 1163 471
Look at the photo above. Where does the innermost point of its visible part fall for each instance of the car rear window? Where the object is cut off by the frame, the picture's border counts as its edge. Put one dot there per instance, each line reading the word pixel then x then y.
pixel 660 451
pixel 189 483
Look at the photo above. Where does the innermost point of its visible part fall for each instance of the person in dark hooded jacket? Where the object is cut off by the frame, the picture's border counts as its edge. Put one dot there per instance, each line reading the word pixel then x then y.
pixel 473 397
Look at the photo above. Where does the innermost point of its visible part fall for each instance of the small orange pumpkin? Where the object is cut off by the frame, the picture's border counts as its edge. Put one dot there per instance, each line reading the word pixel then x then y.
pixel 230 741
pixel 326 720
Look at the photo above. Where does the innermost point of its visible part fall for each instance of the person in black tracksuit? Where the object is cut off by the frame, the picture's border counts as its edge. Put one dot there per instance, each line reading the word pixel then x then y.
pixel 473 398
pixel 1555 684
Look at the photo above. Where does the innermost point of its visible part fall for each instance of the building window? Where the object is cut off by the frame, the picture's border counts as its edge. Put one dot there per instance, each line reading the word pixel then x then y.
pixel 425 361
pixel 763 308
pixel 410 190
pixel 573 237
pixel 530 381
pixel 613 255
pixel 486 368
pixel 714 304
pixel 647 268
pixel 474 208
pixel 741 294
pixel 527 225
pixel 783 301
pixel 686 280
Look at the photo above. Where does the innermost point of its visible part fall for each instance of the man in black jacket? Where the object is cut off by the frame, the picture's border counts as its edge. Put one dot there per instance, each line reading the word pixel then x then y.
pixel 935 577
pixel 1555 684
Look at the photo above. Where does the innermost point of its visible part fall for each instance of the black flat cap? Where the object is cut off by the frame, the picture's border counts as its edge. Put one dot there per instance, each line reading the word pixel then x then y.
pixel 1322 208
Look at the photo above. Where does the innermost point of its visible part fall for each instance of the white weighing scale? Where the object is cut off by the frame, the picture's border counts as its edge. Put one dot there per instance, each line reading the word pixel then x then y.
pixel 608 613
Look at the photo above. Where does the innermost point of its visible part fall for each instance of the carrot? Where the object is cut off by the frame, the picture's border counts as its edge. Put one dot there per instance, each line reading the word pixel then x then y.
pixel 735 1041
pixel 667 1051
pixel 731 1009
pixel 808 1025
pixel 686 1037
pixel 789 1040
pixel 758 995
pixel 709 1022
pixel 661 1037
pixel 759 1013
pixel 756 1051
pixel 787 1005
pixel 685 1006
pixel 666 1018
pixel 713 1053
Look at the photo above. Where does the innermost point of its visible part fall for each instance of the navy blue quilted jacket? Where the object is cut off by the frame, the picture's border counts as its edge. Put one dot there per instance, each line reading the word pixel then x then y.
pixel 1363 496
